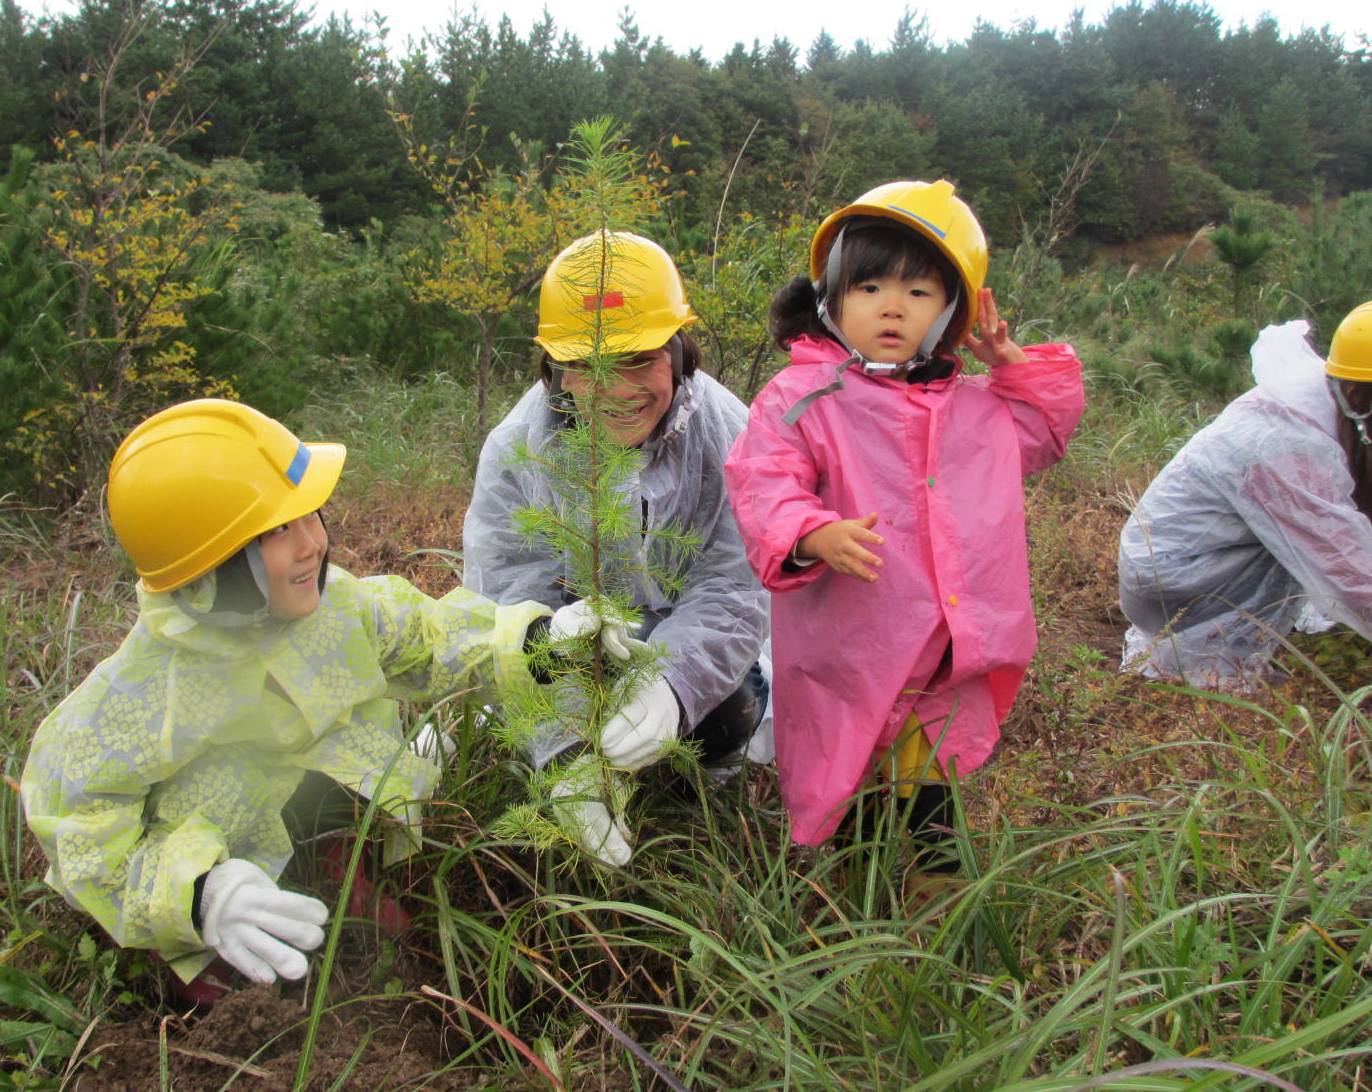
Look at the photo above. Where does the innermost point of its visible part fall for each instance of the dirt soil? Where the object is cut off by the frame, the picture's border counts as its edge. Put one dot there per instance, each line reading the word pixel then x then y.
pixel 255 1035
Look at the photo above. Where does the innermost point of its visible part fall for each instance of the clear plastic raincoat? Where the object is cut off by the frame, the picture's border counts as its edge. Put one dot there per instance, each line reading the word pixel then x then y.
pixel 715 628
pixel 182 748
pixel 1251 517
pixel 943 464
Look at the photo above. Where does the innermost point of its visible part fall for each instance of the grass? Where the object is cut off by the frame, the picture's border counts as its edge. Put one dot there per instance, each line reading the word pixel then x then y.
pixel 1163 888
pixel 402 434
pixel 1211 921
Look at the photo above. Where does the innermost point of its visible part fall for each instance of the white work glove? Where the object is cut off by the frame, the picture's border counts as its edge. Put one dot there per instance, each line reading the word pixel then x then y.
pixel 258 928
pixel 586 820
pixel 635 736
pixel 579 620
pixel 434 745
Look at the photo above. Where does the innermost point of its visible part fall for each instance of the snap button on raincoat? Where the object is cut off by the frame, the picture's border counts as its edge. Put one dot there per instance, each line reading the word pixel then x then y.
pixel 944 465
pixel 715 627
pixel 181 749
pixel 1251 517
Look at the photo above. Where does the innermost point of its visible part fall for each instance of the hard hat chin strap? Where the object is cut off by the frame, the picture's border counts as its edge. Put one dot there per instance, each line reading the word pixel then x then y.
pixel 832 268
pixel 1359 419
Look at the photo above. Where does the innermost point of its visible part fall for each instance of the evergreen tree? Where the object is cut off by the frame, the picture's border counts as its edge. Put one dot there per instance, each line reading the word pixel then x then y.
pixel 25 111
pixel 593 522
pixel 1287 154
pixel 1243 245
pixel 822 54
pixel 335 141
pixel 1237 151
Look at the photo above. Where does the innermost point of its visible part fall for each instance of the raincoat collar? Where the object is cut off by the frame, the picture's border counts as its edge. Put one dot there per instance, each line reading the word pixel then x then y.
pixel 186 618
pixel 811 350
pixel 816 350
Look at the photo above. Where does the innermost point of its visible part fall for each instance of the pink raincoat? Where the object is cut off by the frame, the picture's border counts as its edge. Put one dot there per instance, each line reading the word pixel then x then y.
pixel 943 464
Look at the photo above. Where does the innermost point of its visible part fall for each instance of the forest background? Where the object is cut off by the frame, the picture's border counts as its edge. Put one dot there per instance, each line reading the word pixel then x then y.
pixel 274 228
pixel 220 198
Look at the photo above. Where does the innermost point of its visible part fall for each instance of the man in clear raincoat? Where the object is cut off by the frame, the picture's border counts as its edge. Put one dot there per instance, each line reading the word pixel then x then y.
pixel 712 689
pixel 1260 524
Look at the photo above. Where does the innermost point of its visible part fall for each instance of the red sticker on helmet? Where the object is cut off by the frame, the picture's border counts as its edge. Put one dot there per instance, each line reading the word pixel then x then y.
pixel 610 299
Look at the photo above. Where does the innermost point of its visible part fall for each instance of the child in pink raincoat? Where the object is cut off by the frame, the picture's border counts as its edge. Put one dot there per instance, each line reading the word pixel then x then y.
pixel 879 493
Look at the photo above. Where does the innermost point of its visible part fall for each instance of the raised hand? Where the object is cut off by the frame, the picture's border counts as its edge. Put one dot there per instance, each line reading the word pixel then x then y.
pixel 994 347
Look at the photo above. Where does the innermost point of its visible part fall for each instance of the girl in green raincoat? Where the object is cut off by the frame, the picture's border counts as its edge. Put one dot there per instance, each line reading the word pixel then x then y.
pixel 157 787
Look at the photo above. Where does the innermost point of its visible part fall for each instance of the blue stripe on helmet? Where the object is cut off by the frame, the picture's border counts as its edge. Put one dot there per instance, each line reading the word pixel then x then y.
pixel 914 216
pixel 296 470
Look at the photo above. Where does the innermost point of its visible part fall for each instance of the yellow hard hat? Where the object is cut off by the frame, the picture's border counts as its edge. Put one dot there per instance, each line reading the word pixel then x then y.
pixel 194 484
pixel 626 282
pixel 1350 355
pixel 933 210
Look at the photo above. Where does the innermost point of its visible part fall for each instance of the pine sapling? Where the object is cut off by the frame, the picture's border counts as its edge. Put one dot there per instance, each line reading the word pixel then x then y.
pixel 593 521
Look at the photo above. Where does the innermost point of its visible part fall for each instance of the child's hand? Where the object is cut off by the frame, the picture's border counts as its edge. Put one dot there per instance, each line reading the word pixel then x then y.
pixel 840 545
pixel 994 347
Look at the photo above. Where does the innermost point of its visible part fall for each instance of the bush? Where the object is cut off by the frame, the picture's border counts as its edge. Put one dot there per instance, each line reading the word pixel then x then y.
pixel 34 294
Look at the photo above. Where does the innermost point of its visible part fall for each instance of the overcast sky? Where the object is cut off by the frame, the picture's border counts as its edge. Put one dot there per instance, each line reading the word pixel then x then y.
pixel 715 25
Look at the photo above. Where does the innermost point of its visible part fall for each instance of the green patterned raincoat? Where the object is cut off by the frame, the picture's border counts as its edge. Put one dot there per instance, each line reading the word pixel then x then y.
pixel 181 749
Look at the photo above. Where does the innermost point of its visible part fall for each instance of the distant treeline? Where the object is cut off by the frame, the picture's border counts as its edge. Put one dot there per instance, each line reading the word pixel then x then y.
pixel 1146 122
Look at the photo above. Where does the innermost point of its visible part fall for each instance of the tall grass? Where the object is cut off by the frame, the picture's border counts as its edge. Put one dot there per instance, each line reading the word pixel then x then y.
pixel 1223 921
pixel 1220 921
pixel 410 433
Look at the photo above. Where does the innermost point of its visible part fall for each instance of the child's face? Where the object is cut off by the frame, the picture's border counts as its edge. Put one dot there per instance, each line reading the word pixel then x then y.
pixel 886 318
pixel 637 398
pixel 292 555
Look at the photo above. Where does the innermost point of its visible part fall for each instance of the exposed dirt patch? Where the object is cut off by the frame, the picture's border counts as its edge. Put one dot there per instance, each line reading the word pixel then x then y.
pixel 1156 250
pixel 78 551
pixel 1073 574
pixel 255 1035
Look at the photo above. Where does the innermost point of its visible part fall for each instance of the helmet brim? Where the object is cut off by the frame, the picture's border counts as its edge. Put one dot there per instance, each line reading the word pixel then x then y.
pixel 613 343
pixel 316 485
pixel 1335 370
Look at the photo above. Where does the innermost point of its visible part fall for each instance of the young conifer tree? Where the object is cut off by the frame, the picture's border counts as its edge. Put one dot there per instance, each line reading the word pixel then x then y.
pixel 594 521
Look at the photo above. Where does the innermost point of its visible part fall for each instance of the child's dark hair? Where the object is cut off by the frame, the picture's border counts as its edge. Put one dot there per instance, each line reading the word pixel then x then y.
pixel 872 247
